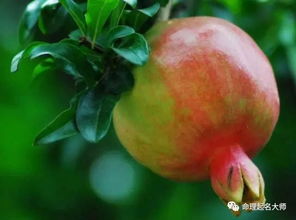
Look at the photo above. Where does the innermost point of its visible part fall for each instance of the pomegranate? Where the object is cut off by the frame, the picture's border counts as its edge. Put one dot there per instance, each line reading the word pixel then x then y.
pixel 202 106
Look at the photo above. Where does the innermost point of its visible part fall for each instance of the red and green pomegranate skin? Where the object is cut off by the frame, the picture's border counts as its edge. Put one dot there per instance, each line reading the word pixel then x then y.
pixel 204 103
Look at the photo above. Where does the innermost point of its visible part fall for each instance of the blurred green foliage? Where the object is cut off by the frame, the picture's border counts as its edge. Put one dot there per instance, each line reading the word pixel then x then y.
pixel 73 179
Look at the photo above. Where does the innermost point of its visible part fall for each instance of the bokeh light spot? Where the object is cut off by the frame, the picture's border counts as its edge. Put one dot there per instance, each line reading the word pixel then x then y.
pixel 113 177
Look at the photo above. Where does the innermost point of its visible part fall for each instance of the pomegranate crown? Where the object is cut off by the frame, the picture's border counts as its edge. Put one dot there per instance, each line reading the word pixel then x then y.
pixel 234 177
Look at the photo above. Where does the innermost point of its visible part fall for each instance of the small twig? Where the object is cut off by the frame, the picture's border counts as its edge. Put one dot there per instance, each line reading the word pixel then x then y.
pixel 165 12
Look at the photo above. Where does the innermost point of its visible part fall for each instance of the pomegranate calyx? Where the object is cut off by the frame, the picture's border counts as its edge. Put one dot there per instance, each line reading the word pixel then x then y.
pixel 234 177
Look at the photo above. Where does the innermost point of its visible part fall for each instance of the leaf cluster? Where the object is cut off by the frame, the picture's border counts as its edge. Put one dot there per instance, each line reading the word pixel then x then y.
pixel 97 42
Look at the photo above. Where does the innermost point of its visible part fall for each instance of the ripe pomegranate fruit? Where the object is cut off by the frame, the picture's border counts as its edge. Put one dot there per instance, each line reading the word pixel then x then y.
pixel 205 102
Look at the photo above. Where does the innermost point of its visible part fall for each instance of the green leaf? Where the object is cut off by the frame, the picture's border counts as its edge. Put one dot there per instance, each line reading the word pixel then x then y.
pixel 121 31
pixel 52 17
pixel 43 66
pixel 97 14
pixel 31 17
pixel 75 35
pixel 150 11
pixel 22 55
pixel 137 18
pixel 94 115
pixel 117 14
pixel 29 20
pixel 76 13
pixel 49 3
pixel 118 80
pixel 15 61
pixel 132 3
pixel 134 49
pixel 73 59
pixel 63 126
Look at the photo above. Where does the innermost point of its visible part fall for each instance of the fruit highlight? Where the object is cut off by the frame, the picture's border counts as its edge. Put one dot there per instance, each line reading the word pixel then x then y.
pixel 202 106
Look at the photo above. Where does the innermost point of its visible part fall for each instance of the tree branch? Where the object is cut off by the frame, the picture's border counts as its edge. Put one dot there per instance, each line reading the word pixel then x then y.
pixel 165 12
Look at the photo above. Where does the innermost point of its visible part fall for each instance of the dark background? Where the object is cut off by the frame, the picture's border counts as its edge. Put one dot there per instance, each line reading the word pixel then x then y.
pixel 76 180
